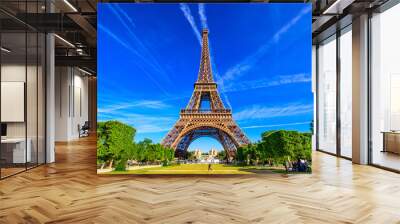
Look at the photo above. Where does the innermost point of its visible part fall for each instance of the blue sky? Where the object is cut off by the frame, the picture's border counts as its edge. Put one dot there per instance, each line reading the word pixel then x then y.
pixel 148 61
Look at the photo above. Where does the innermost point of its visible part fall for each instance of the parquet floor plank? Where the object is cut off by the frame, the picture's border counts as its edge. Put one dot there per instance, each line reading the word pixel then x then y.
pixel 70 191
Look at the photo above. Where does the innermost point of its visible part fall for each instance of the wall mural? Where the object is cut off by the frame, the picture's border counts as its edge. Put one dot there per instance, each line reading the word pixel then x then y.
pixel 204 89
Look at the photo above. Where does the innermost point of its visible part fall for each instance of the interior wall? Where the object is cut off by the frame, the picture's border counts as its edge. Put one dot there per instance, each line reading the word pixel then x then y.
pixel 80 115
pixel 62 81
pixel 13 73
pixel 71 102
pixel 92 98
pixel 31 126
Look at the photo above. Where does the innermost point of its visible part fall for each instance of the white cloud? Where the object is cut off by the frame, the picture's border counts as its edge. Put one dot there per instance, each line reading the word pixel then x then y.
pixel 143 123
pixel 202 14
pixel 252 60
pixel 152 128
pixel 276 125
pixel 188 15
pixel 130 48
pixel 122 12
pixel 137 47
pixel 116 38
pixel 258 112
pixel 263 83
pixel 292 22
pixel 238 69
pixel 152 104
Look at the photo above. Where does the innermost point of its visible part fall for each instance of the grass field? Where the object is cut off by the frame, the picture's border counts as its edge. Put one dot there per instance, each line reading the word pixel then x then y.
pixel 199 169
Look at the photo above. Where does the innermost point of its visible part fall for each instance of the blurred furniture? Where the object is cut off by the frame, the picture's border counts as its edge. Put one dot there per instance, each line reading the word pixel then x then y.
pixel 391 141
pixel 13 150
pixel 84 130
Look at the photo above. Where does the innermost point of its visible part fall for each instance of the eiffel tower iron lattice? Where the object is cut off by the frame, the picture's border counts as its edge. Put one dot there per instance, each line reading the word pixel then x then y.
pixel 195 122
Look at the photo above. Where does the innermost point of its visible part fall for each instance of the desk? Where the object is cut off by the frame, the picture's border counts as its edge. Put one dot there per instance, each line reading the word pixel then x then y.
pixel 13 150
pixel 391 142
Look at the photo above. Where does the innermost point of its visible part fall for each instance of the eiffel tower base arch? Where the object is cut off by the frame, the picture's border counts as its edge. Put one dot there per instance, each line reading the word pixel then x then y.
pixel 195 124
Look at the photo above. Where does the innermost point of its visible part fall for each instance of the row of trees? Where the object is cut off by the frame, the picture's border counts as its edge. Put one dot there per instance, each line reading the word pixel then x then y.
pixel 276 147
pixel 115 145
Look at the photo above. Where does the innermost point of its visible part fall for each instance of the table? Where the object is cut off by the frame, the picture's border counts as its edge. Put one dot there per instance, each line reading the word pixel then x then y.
pixel 13 150
pixel 391 141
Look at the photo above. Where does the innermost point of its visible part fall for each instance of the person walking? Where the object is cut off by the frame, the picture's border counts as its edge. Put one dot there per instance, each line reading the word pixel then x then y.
pixel 209 167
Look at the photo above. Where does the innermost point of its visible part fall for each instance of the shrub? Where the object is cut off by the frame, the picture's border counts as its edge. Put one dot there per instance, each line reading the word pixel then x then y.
pixel 165 163
pixel 121 166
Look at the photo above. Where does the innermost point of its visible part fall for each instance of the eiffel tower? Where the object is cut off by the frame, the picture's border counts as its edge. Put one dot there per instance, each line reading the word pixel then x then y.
pixel 215 121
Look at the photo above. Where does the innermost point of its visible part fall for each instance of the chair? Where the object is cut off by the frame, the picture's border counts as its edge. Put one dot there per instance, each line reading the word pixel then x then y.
pixel 84 130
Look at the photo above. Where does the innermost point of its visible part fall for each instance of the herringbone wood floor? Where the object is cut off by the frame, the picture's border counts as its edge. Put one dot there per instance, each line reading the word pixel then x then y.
pixel 69 191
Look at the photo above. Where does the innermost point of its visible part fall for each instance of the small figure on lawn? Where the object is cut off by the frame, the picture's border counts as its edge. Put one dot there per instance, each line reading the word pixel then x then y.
pixel 209 167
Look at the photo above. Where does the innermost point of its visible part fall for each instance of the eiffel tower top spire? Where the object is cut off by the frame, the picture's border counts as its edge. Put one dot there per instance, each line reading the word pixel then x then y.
pixel 205 72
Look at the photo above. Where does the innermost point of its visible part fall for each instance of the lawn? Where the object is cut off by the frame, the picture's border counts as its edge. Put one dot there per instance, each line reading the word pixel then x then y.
pixel 198 169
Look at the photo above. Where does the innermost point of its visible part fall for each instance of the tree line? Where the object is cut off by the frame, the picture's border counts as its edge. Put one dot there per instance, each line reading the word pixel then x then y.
pixel 115 145
pixel 277 148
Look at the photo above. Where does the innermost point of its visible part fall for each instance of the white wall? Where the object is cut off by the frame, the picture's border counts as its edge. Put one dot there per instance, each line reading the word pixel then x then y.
pixel 314 91
pixel 33 126
pixel 71 102
pixel 17 73
pixel 62 82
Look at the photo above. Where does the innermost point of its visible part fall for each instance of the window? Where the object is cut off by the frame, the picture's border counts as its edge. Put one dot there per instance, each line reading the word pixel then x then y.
pixel 346 92
pixel 385 88
pixel 327 95
pixel 22 87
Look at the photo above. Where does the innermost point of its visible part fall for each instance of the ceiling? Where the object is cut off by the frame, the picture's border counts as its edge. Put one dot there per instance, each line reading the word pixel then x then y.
pixel 73 21
pixel 332 15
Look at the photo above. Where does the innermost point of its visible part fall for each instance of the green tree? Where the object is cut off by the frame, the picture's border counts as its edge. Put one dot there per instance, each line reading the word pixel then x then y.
pixel 103 154
pixel 144 150
pixel 286 146
pixel 131 152
pixel 304 151
pixel 114 139
pixel 222 155
pixel 246 154
pixel 241 155
pixel 115 145
pixel 190 155
pixel 169 154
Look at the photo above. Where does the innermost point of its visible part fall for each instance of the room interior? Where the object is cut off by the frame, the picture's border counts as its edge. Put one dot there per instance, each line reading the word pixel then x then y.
pixel 335 59
pixel 26 62
pixel 48 92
